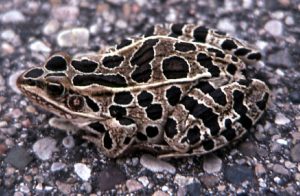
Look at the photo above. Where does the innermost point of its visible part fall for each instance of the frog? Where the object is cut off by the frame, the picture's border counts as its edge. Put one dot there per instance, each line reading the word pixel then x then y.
pixel 178 90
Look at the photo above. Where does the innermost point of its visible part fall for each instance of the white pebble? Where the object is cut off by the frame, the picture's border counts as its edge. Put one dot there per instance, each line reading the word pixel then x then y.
pixel 83 171
pixel 274 27
pixel 13 16
pixel 281 119
pixel 39 46
pixel 76 37
pixel 44 148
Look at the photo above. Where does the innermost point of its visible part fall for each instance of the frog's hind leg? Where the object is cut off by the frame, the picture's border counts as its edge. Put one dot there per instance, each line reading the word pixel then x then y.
pixel 207 119
pixel 202 34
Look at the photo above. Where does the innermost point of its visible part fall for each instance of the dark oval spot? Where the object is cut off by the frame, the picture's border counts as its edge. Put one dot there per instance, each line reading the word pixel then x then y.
pixel 219 97
pixel 75 102
pixel 123 98
pixel 242 51
pixel 228 45
pixel 150 31
pixel 175 67
pixel 206 62
pixel 85 65
pixel 152 131
pixel 142 73
pixel 193 135
pixel 177 28
pixel 101 79
pixel 56 63
pixel 141 136
pixel 124 43
pixel 217 52
pixel 200 34
pixel 55 89
pixel 93 105
pixel 97 127
pixel 125 121
pixel 263 103
pixel 171 128
pixel 145 98
pixel 208 145
pixel 184 46
pixel 112 61
pixel 127 140
pixel 117 111
pixel 107 141
pixel 231 68
pixel 173 95
pixel 154 111
pixel 254 56
pixel 34 73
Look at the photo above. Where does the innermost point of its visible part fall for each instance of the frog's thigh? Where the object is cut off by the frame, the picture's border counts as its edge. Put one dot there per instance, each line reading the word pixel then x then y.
pixel 114 136
pixel 202 34
pixel 202 123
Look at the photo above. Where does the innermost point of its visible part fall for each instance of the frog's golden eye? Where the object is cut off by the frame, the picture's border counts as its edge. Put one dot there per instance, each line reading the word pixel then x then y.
pixel 55 89
pixel 75 102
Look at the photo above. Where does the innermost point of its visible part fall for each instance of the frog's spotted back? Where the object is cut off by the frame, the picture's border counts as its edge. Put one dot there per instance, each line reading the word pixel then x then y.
pixel 178 90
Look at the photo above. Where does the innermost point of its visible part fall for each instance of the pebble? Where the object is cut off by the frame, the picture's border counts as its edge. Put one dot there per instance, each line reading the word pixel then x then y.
pixel 295 153
pixel 248 149
pixel 10 36
pixel 12 16
pixel 109 178
pixel 259 170
pixel 160 193
pixel 39 46
pixel 133 185
pixel 280 169
pixel 274 27
pixel 156 165
pixel 87 187
pixel 281 119
pixel 83 171
pixel 183 180
pixel 237 174
pixel 69 141
pixel 209 180
pixel 65 188
pixel 18 157
pixel 144 180
pixel 281 57
pixel 65 13
pixel 295 96
pixel 51 27
pixel 289 20
pixel 44 148
pixel 76 37
pixel 212 164
pixel 57 166
pixel 226 25
pixel 193 189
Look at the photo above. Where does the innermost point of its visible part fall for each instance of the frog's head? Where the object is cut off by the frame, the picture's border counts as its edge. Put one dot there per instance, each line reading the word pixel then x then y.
pixel 50 87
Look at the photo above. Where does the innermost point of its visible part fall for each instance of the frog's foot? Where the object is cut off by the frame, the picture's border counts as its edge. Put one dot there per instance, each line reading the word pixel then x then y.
pixel 207 119
pixel 114 136
pixel 63 124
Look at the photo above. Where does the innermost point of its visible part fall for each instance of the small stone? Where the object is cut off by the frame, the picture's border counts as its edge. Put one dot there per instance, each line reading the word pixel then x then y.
pixel 65 13
pixel 193 189
pixel 277 180
pixel 274 27
pixel 83 171
pixel 133 185
pixel 209 180
pixel 238 173
pixel 121 24
pixel 76 37
pixel 3 149
pixel 160 193
pixel 64 187
pixel 87 187
pixel 248 149
pixel 144 180
pixel 39 46
pixel 280 169
pixel 24 189
pixel 109 178
pixel 281 57
pixel 57 166
pixel 18 157
pixel 282 142
pixel 13 16
pixel 39 187
pixel 281 119
pixel 68 142
pixel 156 165
pixel 212 164
pixel 289 164
pixel 51 27
pixel 295 153
pixel 289 20
pixel 259 170
pixel 183 180
pixel 44 148
pixel 295 97
pixel 226 25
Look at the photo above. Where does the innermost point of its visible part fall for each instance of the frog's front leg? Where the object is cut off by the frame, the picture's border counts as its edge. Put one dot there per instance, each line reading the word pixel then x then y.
pixel 113 136
pixel 207 118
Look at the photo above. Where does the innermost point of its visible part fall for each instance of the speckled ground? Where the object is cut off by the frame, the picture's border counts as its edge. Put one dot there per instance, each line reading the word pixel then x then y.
pixel 36 159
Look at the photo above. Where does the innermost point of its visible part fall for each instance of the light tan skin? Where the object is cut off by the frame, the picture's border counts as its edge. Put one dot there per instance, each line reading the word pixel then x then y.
pixel 80 100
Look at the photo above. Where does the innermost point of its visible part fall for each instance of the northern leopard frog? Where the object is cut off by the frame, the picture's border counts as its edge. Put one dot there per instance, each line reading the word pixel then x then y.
pixel 179 90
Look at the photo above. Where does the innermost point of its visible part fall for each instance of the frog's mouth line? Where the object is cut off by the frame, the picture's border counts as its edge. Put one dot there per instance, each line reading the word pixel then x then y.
pixel 58 110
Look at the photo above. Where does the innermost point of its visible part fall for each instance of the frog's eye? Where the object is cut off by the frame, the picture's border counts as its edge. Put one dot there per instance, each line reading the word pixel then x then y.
pixel 75 102
pixel 55 89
